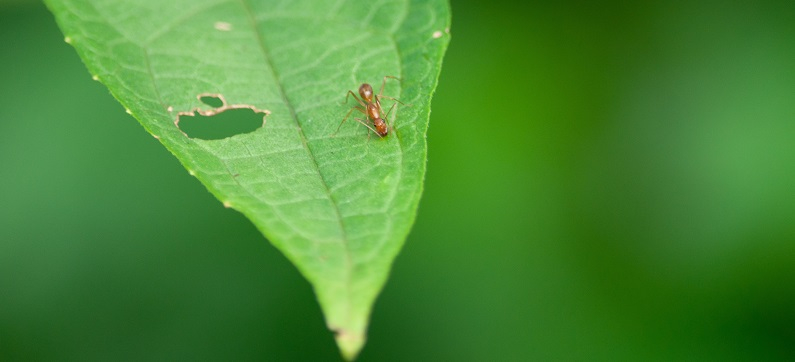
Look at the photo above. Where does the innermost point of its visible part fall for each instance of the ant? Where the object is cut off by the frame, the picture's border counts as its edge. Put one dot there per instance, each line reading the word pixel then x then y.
pixel 371 108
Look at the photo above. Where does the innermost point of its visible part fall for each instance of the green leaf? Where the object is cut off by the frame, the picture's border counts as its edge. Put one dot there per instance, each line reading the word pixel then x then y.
pixel 339 207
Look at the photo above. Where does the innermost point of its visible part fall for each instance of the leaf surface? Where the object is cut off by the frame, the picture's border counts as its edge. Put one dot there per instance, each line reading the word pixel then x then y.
pixel 339 207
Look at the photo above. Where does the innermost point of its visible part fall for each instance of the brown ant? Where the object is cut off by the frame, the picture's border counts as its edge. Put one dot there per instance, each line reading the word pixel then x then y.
pixel 371 108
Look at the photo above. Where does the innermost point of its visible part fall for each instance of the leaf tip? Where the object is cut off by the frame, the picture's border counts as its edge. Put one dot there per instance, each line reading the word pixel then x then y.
pixel 350 343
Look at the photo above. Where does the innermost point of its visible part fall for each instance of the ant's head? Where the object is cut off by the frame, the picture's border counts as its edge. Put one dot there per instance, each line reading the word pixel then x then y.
pixel 380 127
pixel 366 91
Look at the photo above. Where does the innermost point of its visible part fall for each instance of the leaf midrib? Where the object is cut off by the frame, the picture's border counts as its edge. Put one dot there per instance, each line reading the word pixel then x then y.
pixel 348 270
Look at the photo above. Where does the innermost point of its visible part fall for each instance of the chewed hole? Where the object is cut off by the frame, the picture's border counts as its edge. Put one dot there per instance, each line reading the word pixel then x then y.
pixel 212 101
pixel 224 124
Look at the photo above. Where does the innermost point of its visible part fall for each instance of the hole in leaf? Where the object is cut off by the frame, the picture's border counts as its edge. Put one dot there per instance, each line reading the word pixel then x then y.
pixel 212 101
pixel 223 124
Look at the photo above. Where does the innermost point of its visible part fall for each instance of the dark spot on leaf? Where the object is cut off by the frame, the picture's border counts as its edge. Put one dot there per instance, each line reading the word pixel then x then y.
pixel 337 331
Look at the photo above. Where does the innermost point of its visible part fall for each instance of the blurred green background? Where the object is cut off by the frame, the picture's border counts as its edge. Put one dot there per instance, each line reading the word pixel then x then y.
pixel 605 182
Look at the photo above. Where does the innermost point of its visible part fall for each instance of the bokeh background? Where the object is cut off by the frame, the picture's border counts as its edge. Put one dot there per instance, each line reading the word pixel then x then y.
pixel 605 181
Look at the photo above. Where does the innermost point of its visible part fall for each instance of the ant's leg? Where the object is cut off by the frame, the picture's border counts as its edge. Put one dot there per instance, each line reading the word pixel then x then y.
pixel 350 93
pixel 346 118
pixel 386 118
pixel 381 93
pixel 383 83
pixel 368 126
pixel 390 98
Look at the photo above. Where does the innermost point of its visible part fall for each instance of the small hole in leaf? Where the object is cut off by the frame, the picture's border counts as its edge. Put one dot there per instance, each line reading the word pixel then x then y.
pixel 224 124
pixel 212 101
